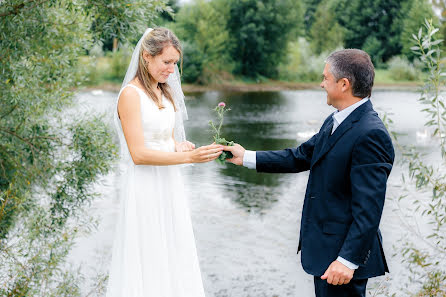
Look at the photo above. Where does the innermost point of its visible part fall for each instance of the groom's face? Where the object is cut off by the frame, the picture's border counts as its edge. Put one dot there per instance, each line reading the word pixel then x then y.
pixel 331 86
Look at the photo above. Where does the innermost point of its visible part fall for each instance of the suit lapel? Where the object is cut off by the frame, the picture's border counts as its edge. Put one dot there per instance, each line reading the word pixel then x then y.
pixel 323 140
pixel 328 140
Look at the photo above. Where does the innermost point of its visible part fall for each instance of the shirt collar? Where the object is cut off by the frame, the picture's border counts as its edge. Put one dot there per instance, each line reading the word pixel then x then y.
pixel 340 116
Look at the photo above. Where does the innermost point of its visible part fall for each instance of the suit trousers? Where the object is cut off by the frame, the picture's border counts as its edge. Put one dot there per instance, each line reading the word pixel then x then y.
pixel 355 288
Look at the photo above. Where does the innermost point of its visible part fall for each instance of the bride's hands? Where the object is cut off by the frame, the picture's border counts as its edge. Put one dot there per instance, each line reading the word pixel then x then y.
pixel 184 146
pixel 205 153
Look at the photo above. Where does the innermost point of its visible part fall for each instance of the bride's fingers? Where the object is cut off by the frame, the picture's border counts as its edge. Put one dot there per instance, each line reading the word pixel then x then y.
pixel 214 156
pixel 211 146
pixel 207 153
pixel 191 145
pixel 210 149
pixel 211 154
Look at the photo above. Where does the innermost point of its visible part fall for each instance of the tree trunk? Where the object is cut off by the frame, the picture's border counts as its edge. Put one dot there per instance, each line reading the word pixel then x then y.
pixel 115 44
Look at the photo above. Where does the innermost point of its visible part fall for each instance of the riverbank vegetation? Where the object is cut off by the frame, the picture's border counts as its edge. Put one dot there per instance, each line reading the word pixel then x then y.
pixel 423 245
pixel 253 42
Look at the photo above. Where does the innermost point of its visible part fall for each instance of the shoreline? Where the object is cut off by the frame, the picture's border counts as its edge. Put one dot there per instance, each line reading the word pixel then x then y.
pixel 259 87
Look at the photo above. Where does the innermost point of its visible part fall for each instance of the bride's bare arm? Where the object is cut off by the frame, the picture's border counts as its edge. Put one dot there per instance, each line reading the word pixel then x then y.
pixel 130 115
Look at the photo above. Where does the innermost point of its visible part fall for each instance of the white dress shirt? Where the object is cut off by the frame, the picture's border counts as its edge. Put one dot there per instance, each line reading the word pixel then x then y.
pixel 249 158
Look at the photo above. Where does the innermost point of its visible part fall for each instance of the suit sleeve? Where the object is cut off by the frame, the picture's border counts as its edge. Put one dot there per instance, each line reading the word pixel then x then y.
pixel 290 160
pixel 372 160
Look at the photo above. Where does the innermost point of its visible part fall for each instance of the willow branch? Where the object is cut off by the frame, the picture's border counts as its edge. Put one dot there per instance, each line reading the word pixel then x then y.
pixel 33 148
pixel 16 9
pixel 7 113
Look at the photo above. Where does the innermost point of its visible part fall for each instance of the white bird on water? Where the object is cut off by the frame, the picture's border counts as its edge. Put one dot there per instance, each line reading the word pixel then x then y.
pixel 305 134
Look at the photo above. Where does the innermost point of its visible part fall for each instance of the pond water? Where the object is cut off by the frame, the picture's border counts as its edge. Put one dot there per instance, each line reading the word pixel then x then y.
pixel 247 224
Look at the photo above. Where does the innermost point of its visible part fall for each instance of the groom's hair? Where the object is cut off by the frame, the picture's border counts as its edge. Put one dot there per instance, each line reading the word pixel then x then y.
pixel 356 66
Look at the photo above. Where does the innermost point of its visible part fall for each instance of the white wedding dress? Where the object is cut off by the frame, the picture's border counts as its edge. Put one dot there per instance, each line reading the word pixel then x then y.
pixel 154 253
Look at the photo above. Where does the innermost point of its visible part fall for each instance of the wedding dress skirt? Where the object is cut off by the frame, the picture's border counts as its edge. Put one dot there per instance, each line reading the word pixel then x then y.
pixel 154 253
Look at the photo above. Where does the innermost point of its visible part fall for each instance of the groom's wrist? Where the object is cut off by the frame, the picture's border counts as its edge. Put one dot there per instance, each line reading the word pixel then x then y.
pixel 249 159
pixel 347 263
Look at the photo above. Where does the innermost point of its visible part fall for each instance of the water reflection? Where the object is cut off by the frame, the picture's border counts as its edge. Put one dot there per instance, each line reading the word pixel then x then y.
pixel 258 121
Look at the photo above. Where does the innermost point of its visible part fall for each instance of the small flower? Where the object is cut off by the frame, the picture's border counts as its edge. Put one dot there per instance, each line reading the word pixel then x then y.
pixel 221 110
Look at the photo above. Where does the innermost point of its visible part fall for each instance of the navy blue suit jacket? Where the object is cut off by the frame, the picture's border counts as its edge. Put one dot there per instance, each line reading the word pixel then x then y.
pixel 345 193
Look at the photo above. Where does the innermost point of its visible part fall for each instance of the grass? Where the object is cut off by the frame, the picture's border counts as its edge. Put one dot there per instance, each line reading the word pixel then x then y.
pixel 107 72
pixel 384 76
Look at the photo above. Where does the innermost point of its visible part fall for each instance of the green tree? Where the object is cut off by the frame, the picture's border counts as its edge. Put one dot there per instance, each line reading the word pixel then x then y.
pixel 260 31
pixel 326 34
pixel 121 21
pixel 417 12
pixel 372 25
pixel 192 63
pixel 173 9
pixel 202 25
pixel 50 156
pixel 309 17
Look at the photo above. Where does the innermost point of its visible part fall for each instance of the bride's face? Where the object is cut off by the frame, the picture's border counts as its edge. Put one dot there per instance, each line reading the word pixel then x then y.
pixel 162 65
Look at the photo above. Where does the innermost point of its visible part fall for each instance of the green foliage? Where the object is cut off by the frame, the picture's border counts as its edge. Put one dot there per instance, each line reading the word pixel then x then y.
pixel 109 68
pixel 325 34
pixel 372 25
pixel 201 25
pixel 301 64
pixel 260 31
pixel 310 8
pixel 169 14
pixel 225 154
pixel 402 70
pixel 119 61
pixel 418 11
pixel 50 156
pixel 123 20
pixel 192 63
pixel 425 256
pixel 374 47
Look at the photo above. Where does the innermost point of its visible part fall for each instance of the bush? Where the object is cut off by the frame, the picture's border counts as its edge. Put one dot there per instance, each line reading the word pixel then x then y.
pixel 402 70
pixel 301 64
pixel 192 63
pixel 110 67
pixel 119 62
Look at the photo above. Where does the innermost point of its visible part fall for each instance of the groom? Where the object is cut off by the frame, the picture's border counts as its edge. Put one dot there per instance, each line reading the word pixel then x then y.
pixel 349 159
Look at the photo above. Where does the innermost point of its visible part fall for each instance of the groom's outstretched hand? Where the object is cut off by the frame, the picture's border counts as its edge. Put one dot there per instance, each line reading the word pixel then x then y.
pixel 237 151
pixel 338 274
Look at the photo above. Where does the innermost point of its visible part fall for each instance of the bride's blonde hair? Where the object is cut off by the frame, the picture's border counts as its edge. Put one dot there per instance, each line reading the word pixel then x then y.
pixel 154 44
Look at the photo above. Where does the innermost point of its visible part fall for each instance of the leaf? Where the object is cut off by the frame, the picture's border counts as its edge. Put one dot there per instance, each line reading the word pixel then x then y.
pixel 434 31
pixel 430 52
pixel 437 42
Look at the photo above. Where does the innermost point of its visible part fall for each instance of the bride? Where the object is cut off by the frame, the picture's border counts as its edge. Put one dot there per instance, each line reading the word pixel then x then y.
pixel 154 253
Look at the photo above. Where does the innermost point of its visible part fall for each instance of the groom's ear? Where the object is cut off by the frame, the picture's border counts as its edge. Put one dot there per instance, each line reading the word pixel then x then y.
pixel 345 84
